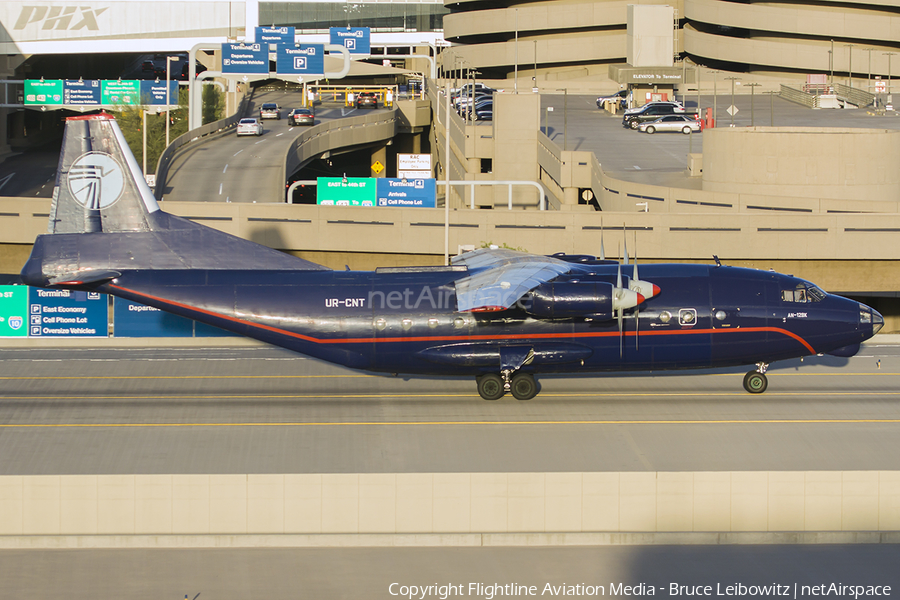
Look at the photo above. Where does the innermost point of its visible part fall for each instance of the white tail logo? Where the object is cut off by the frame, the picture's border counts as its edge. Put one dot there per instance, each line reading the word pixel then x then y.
pixel 95 180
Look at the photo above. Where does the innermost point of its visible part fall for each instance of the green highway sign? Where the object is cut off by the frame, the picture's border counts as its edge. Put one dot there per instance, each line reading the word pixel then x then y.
pixel 349 191
pixel 126 93
pixel 47 92
pixel 13 311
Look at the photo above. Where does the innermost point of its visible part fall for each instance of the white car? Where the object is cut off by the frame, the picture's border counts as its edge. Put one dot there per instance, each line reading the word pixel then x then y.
pixel 249 127
pixel 683 123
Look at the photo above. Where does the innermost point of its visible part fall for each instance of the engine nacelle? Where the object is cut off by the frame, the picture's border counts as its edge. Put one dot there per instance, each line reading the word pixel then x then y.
pixel 562 300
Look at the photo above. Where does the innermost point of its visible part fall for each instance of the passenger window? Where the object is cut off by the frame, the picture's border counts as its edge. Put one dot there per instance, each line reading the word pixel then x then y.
pixel 787 295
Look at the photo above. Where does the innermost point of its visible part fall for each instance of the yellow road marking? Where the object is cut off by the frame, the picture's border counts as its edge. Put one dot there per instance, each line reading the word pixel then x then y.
pixel 433 423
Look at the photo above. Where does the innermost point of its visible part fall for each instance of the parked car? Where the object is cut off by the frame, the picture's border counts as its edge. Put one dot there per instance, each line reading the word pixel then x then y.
pixel 301 116
pixel 269 110
pixel 462 103
pixel 682 123
pixel 368 99
pixel 619 97
pixel 484 110
pixel 651 112
pixel 675 104
pixel 249 127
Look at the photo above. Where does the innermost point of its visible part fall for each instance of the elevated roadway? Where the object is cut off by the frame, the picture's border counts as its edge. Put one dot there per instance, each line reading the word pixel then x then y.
pixel 227 168
pixel 253 409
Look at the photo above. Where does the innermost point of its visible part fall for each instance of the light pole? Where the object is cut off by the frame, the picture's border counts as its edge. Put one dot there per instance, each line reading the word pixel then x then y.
pixel 889 55
pixel 850 66
pixel 752 87
pixel 831 63
pixel 869 80
pixel 169 59
pixel 715 95
pixel 732 107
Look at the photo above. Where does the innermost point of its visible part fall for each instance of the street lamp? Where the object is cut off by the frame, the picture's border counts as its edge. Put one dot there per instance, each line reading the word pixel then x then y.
pixel 732 107
pixel 869 80
pixel 889 55
pixel 169 59
pixel 715 95
pixel 850 66
pixel 752 87
pixel 831 64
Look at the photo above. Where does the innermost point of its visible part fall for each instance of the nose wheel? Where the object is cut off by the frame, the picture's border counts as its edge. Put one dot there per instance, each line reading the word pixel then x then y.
pixel 756 382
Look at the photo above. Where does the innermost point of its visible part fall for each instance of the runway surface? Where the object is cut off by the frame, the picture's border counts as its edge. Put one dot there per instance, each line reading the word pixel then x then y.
pixel 265 410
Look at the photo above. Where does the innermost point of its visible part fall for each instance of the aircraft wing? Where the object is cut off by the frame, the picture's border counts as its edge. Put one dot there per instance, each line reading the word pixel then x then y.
pixel 500 277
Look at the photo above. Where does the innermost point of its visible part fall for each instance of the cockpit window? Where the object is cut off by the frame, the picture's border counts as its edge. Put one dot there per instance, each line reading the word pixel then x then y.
pixel 803 293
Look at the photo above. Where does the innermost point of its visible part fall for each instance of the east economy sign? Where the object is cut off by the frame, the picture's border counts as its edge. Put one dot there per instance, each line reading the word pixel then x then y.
pixel 67 313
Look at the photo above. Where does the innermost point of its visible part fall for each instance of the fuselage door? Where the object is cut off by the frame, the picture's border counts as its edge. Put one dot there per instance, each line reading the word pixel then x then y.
pixel 738 314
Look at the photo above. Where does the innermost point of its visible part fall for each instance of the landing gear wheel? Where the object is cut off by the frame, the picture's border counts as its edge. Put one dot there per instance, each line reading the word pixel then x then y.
pixel 490 386
pixel 523 386
pixel 755 382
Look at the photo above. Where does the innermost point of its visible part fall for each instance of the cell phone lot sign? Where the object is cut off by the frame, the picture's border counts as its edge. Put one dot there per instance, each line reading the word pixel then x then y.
pixel 67 313
pixel 13 311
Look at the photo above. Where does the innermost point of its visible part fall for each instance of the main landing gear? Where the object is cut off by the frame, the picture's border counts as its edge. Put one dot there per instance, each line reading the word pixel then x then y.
pixel 492 386
pixel 756 382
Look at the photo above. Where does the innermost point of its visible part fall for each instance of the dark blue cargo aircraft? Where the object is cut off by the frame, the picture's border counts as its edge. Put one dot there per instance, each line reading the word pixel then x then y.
pixel 496 315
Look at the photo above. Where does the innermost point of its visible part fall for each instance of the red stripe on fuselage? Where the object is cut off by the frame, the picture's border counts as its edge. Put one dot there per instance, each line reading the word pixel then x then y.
pixel 467 338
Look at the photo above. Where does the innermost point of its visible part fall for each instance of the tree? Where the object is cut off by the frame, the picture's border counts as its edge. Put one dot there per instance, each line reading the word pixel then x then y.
pixel 130 122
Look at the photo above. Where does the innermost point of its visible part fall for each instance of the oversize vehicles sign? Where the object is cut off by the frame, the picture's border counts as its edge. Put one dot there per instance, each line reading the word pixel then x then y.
pixel 13 311
pixel 245 58
pixel 406 193
pixel 357 40
pixel 300 59
pixel 66 313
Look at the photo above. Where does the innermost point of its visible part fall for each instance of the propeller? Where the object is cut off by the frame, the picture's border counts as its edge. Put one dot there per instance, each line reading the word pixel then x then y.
pixel 623 298
pixel 602 252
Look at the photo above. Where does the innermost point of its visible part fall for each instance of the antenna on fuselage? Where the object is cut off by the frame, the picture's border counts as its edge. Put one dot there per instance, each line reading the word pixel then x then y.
pixel 718 262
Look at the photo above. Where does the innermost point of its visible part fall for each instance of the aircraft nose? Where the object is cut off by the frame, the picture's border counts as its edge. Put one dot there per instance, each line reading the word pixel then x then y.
pixel 877 321
pixel 868 315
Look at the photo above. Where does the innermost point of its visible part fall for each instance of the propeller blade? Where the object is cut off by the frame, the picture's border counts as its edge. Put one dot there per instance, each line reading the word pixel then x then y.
pixel 619 279
pixel 625 237
pixel 621 333
pixel 637 309
pixel 602 252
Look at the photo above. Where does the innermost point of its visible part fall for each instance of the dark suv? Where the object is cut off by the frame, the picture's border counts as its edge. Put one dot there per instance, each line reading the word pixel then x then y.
pixel 651 112
pixel 368 99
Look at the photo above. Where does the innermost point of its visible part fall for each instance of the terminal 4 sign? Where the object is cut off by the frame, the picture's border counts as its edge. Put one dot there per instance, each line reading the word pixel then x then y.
pixel 245 58
pixel 274 35
pixel 300 59
pixel 357 40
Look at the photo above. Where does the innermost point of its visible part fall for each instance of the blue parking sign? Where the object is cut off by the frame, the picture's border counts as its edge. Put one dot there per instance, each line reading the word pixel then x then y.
pixel 357 40
pixel 300 59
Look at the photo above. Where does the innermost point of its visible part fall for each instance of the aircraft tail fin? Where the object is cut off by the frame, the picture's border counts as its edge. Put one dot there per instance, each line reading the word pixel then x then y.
pixel 104 220
pixel 99 185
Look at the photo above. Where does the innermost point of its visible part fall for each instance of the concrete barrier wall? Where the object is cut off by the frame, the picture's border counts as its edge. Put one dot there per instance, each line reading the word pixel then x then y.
pixel 430 503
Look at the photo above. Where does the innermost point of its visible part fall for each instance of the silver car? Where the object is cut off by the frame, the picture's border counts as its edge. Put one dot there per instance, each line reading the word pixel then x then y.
pixel 249 127
pixel 682 123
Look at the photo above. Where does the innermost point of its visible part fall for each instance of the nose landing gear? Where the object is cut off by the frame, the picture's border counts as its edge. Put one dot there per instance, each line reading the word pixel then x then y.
pixel 756 381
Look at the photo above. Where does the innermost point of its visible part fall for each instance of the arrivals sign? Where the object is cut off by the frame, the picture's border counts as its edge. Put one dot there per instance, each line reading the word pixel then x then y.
pixel 67 313
pixel 370 191
pixel 13 311
pixel 357 40
pixel 300 59
pixel 405 193
pixel 245 58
